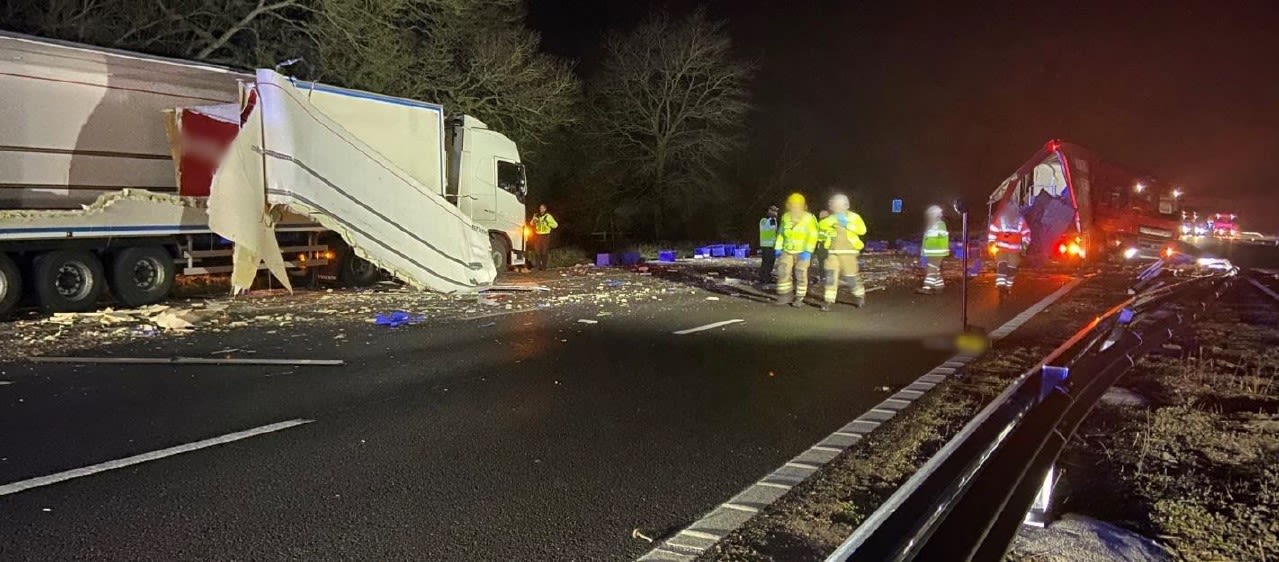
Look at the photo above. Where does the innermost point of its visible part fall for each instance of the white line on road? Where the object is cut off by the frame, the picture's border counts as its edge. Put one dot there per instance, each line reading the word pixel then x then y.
pixel 1264 289
pixel 710 326
pixel 21 485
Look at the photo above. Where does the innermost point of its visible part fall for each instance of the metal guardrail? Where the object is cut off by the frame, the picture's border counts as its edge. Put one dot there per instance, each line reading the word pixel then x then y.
pixel 968 500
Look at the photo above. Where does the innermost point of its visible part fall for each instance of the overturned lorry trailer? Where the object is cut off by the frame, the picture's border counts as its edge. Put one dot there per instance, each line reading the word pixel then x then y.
pixel 109 158
pixel 1080 207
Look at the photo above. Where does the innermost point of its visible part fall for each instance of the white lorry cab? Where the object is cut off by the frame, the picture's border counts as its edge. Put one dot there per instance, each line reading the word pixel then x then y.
pixel 107 159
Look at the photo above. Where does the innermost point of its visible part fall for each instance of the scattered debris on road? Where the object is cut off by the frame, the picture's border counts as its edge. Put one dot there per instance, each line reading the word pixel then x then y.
pixel 204 310
pixel 187 361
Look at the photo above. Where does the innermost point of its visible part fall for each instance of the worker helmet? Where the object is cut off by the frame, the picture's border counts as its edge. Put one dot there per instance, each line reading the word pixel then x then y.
pixel 838 203
pixel 933 212
pixel 795 199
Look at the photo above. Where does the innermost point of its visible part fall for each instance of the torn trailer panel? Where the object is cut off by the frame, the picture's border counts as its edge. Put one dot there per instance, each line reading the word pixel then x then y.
pixel 291 153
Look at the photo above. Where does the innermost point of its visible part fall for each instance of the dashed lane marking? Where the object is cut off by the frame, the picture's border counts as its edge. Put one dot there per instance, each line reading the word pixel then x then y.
pixel 15 487
pixel 710 326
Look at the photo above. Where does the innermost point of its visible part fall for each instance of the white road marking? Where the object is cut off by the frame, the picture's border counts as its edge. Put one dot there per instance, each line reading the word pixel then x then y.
pixel 710 326
pixel 1264 289
pixel 21 485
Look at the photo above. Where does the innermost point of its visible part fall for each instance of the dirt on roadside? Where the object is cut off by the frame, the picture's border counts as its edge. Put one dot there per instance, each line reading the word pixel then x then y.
pixel 818 514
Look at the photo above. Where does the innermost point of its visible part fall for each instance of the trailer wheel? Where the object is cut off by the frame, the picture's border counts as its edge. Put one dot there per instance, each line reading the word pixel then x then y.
pixel 10 285
pixel 355 271
pixel 68 280
pixel 501 251
pixel 142 275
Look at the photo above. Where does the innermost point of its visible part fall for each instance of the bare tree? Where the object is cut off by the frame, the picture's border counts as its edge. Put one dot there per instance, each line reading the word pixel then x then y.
pixel 222 31
pixel 472 57
pixel 669 100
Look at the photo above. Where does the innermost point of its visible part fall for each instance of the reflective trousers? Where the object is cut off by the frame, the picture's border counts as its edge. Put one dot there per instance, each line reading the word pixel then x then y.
pixel 792 275
pixel 839 267
pixel 932 278
pixel 1006 263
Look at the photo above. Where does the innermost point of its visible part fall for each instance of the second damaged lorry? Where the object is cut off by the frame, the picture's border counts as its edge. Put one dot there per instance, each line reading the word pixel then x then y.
pixel 1081 207
pixel 115 165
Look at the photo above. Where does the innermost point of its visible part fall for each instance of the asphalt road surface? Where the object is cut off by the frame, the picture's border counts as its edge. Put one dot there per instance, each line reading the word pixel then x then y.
pixel 527 436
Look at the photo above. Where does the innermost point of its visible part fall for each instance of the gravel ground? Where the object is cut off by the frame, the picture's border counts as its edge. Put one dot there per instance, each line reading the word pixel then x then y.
pixel 817 515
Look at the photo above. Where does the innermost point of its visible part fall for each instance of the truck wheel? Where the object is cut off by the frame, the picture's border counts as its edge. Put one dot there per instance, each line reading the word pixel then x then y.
pixel 68 280
pixel 10 285
pixel 355 271
pixel 142 275
pixel 501 250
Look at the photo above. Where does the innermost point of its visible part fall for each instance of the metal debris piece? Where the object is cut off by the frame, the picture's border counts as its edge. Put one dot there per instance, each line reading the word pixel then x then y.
pixel 587 321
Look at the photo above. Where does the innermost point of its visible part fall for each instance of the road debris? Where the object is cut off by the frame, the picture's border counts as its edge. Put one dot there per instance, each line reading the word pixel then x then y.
pixel 185 361
pixel 514 288
pixel 587 321
pixel 637 534
pixel 397 318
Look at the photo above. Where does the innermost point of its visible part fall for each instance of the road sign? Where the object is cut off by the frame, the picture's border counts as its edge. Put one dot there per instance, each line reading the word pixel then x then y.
pixel 897 205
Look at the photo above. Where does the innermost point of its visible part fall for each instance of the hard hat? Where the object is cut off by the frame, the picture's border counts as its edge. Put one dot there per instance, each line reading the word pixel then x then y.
pixel 933 211
pixel 795 199
pixel 838 202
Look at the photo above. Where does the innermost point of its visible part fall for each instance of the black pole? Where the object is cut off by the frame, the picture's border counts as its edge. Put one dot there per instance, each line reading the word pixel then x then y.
pixel 963 280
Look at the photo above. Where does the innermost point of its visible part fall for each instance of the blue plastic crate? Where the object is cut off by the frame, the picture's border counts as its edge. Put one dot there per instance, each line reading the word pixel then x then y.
pixel 741 252
pixel 702 252
pixel 630 258
pixel 603 260
pixel 717 250
pixel 666 255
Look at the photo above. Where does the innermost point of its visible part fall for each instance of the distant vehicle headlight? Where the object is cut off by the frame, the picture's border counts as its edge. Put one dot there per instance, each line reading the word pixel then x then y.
pixel 1130 253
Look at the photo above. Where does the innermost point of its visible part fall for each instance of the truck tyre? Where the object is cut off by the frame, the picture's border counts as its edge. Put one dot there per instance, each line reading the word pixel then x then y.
pixel 142 275
pixel 501 250
pixel 68 280
pixel 355 271
pixel 10 285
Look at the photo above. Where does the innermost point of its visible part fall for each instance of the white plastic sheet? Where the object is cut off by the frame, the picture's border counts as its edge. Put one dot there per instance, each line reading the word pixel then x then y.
pixel 318 168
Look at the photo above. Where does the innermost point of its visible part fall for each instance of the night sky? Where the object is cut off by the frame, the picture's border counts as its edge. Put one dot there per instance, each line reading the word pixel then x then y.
pixel 929 100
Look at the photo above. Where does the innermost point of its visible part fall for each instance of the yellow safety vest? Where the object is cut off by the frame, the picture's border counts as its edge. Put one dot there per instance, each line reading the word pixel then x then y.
pixel 544 224
pixel 853 225
pixel 796 236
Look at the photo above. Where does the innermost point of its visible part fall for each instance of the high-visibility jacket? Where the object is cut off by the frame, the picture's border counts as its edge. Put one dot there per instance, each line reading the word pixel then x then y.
pixel 852 226
pixel 936 240
pixel 767 232
pixel 797 235
pixel 544 224
pixel 1008 234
